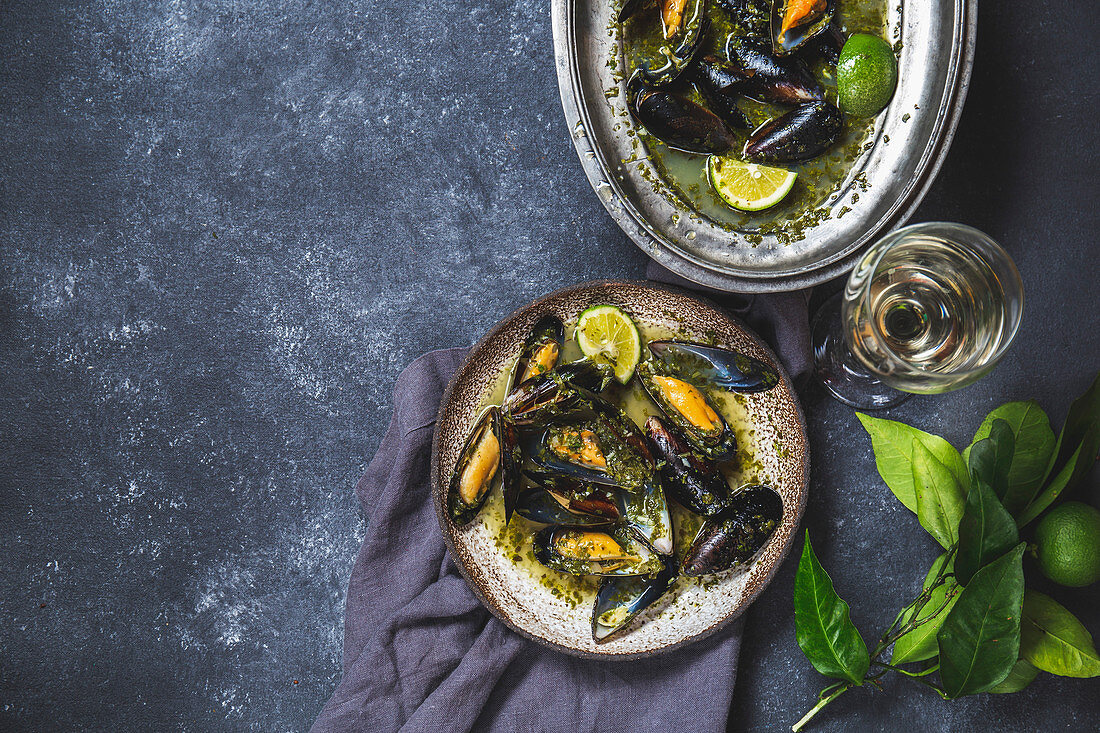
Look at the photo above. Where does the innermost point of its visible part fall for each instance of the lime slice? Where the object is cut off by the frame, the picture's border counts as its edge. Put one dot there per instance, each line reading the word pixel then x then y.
pixel 748 186
pixel 606 335
pixel 866 75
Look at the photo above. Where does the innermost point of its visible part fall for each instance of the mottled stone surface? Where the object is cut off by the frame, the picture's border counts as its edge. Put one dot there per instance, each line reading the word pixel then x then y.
pixel 226 227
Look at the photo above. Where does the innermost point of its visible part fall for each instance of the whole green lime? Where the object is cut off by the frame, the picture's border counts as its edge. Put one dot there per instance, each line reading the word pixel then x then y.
pixel 866 75
pixel 1068 544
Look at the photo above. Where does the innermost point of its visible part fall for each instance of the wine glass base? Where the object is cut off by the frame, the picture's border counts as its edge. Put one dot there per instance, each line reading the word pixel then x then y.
pixel 846 378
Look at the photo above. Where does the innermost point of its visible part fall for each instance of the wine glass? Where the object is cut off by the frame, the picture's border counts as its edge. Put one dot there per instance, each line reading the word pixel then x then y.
pixel 929 308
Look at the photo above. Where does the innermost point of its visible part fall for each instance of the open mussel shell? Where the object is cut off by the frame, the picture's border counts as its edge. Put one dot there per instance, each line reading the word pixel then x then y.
pixel 713 366
pixel 540 351
pixel 572 451
pixel 594 551
pixel 802 134
pixel 646 513
pixel 550 507
pixel 541 398
pixel 688 406
pixel 593 441
pixel 487 459
pixel 796 22
pixel 620 599
pixel 691 480
pixel 733 537
pixel 769 78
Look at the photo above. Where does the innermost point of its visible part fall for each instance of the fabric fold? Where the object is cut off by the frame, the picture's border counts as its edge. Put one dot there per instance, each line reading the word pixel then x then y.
pixel 421 653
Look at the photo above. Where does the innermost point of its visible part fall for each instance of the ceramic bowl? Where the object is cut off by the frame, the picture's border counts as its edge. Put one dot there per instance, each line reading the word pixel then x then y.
pixel 692 612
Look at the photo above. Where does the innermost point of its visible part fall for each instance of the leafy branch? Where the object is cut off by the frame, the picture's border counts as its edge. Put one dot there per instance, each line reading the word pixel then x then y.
pixel 972 624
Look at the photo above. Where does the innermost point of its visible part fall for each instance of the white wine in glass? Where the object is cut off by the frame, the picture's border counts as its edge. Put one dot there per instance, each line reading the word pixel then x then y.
pixel 930 308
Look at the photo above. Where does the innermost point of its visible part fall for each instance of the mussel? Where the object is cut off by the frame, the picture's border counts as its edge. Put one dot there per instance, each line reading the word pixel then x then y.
pixel 735 535
pixel 589 449
pixel 829 44
pixel 803 133
pixel 546 506
pixel 772 79
pixel 645 512
pixel 677 121
pixel 694 482
pixel 691 410
pixel 795 22
pixel 684 27
pixel 540 351
pixel 716 367
pixel 620 599
pixel 672 13
pixel 559 390
pixel 591 551
pixel 721 85
pixel 489 457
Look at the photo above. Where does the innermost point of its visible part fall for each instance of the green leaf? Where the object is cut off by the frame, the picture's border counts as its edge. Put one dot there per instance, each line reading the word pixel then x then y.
pixel 980 639
pixel 1034 446
pixel 893 445
pixel 990 459
pixel 940 498
pixel 986 531
pixel 1075 452
pixel 1053 640
pixel 1020 677
pixel 824 630
pixel 1082 428
pixel 920 643
pixel 1053 490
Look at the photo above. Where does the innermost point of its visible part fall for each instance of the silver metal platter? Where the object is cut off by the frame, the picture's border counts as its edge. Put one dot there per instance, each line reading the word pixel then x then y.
pixel 910 140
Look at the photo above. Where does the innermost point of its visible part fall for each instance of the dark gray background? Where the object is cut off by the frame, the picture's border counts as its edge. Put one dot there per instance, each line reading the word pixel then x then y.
pixel 225 229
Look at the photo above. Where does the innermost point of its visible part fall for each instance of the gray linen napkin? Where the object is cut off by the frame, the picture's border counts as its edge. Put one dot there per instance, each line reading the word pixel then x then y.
pixel 422 654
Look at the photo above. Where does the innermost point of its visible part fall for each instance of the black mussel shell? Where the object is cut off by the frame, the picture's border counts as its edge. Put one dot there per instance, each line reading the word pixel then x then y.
pixel 803 133
pixel 721 85
pixel 796 22
pixel 631 557
pixel 619 600
pixel 828 45
pixel 718 76
pixel 676 393
pixel 540 351
pixel 735 535
pixel 773 79
pixel 623 466
pixel 679 122
pixel 674 61
pixel 691 480
pixel 511 458
pixel 539 447
pixel 713 366
pixel 493 442
pixel 540 505
pixel 559 390
pixel 645 513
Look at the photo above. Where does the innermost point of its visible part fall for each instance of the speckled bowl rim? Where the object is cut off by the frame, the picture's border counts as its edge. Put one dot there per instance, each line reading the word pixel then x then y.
pixel 438 488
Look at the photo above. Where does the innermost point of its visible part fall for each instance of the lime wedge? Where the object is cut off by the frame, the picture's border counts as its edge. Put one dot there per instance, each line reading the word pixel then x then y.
pixel 748 186
pixel 606 335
